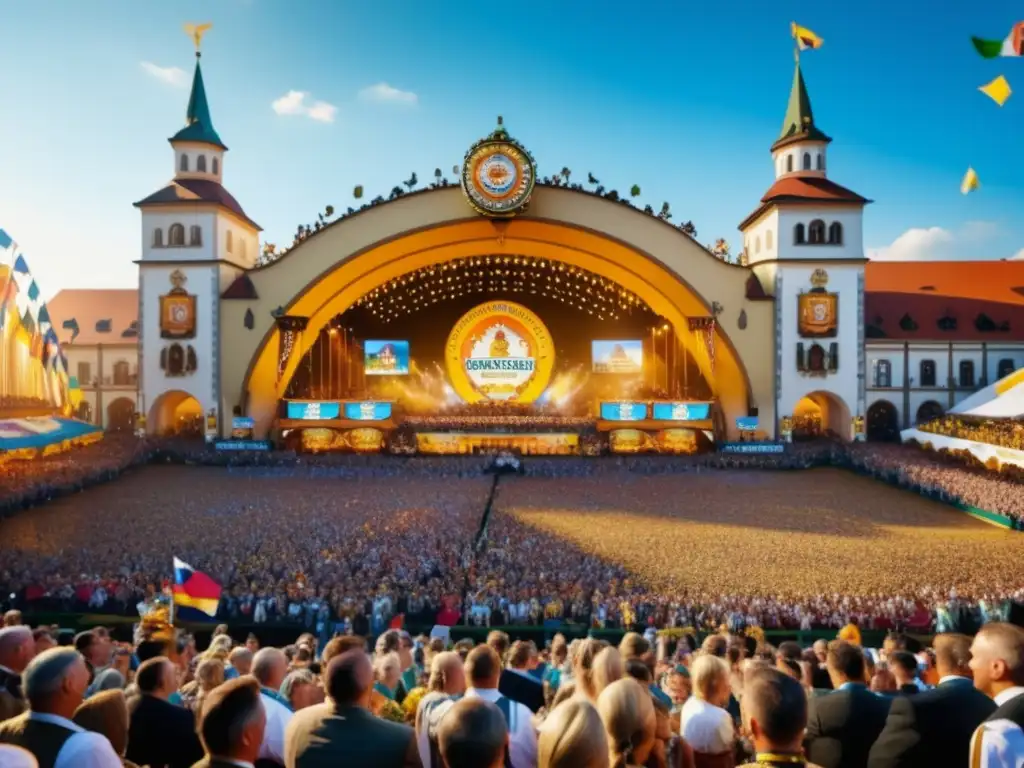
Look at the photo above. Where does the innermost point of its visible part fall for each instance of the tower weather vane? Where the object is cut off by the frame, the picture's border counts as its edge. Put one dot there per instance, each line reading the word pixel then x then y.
pixel 196 32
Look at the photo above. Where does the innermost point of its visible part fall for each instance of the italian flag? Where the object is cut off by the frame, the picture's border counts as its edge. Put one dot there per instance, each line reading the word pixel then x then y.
pixel 1013 45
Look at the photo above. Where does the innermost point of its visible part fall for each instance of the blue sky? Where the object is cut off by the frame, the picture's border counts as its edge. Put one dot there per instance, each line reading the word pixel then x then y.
pixel 681 98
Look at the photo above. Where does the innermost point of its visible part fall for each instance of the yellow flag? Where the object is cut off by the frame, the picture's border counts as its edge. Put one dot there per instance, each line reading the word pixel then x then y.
pixel 805 38
pixel 970 182
pixel 998 90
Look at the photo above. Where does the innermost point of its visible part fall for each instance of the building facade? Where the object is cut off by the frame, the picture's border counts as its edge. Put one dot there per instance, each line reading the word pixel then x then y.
pixel 98 331
pixel 805 323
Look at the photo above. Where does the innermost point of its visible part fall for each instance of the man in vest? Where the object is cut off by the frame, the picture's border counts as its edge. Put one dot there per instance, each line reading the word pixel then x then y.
pixel 483 671
pixel 997 660
pixel 54 683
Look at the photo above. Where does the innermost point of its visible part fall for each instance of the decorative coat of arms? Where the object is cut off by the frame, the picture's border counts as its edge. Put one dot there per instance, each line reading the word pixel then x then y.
pixel 498 175
pixel 818 309
pixel 178 310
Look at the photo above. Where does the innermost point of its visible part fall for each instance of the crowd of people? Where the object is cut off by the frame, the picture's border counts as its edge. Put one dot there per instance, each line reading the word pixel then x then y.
pixel 421 702
pixel 1007 433
pixel 355 543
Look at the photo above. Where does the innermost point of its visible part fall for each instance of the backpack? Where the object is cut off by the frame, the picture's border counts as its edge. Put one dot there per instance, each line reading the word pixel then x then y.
pixel 435 711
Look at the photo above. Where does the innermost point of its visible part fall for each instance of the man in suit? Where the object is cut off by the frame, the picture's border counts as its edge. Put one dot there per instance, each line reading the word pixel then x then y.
pixel 231 724
pixel 343 731
pixel 516 681
pixel 904 668
pixel 16 650
pixel 842 725
pixel 997 660
pixel 934 727
pixel 160 733
pixel 775 715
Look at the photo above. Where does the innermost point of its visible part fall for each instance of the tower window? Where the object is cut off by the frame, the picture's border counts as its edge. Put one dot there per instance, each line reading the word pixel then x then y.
pixel 216 166
pixel 821 161
pixel 789 163
pixel 882 373
pixel 807 161
pixel 176 235
pixel 1006 367
pixel 184 163
pixel 201 163
pixel 835 233
pixel 195 235
pixel 816 232
pixel 230 244
pixel 768 240
pixel 757 244
pixel 798 234
pixel 158 238
pixel 241 249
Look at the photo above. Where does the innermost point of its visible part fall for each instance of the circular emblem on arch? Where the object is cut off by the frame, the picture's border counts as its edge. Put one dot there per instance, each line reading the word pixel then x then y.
pixel 498 175
pixel 499 351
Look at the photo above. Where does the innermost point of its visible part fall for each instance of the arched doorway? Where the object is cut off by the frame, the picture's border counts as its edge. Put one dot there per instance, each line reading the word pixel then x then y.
pixel 176 413
pixel 121 415
pixel 821 414
pixel 883 422
pixel 647 257
pixel 929 411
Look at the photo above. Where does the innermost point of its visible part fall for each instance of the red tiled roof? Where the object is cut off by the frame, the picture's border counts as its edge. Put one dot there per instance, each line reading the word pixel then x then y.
pixel 931 291
pixel 801 188
pixel 197 191
pixel 89 306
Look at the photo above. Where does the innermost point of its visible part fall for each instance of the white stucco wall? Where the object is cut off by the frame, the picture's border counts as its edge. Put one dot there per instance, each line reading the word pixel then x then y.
pixel 193 151
pixel 164 218
pixel 850 217
pixel 844 279
pixel 204 283
pixel 816 149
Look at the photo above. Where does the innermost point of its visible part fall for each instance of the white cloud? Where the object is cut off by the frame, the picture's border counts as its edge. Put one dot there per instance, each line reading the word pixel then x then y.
pixel 383 93
pixel 294 103
pixel 171 75
pixel 972 242
pixel 1019 256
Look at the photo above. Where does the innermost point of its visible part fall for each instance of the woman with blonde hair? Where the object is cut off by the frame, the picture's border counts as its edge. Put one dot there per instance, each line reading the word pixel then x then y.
pixel 583 667
pixel 209 675
pixel 106 713
pixel 627 712
pixel 573 737
pixel 607 668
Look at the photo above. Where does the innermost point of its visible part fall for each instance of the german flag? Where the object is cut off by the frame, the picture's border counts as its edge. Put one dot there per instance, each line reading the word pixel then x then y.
pixel 196 595
pixel 805 39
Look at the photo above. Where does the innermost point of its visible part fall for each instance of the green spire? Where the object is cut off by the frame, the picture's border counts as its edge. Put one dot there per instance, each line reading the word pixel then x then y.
pixel 799 121
pixel 198 124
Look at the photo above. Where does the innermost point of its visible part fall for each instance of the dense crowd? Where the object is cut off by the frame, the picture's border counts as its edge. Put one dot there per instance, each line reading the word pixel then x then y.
pixel 89 702
pixel 353 543
pixel 1008 433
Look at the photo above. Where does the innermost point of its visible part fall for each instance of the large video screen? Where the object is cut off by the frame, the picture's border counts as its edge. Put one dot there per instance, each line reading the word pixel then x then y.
pixel 386 358
pixel 622 356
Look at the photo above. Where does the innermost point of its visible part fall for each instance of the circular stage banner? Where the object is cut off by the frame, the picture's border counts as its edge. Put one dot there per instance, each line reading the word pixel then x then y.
pixel 499 351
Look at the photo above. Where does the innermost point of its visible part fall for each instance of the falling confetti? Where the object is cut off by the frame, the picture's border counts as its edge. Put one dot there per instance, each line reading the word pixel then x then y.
pixel 970 182
pixel 998 90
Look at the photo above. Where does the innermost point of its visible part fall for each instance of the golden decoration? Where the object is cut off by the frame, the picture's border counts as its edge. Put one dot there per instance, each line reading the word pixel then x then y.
pixel 196 32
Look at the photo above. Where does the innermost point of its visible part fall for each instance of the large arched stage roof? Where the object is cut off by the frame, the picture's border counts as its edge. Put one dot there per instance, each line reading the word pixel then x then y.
pixel 325 274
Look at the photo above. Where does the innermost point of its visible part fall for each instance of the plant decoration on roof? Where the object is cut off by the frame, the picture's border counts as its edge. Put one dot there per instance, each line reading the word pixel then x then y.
pixel 270 252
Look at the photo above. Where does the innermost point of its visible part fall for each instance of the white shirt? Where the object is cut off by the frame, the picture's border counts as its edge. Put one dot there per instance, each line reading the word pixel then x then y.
pixel 705 727
pixel 1010 693
pixel 522 739
pixel 278 716
pixel 83 749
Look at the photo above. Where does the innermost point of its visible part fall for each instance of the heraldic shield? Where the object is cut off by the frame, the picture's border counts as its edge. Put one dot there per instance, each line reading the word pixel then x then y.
pixel 178 310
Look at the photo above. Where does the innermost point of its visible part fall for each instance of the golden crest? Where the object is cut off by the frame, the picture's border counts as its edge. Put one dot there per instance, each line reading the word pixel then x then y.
pixel 819 279
pixel 498 175
pixel 818 314
pixel 178 310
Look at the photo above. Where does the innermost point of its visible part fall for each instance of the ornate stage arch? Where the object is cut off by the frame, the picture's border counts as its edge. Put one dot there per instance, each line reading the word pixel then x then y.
pixel 326 273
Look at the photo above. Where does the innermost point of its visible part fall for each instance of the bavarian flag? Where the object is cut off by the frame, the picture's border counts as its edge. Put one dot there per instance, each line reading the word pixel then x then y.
pixel 196 595
pixel 1011 45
